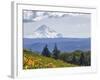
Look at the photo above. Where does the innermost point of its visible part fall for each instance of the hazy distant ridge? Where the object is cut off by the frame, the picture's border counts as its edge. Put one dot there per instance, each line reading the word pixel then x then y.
pixel 64 44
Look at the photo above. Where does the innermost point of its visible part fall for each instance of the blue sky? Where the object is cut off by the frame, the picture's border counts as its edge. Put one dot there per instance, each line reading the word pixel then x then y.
pixel 74 25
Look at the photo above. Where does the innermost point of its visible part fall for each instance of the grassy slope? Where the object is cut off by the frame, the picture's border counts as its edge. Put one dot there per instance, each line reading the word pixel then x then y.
pixel 33 60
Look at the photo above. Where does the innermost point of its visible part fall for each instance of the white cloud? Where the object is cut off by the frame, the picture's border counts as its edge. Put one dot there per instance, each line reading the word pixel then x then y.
pixel 40 15
pixel 28 15
pixel 38 18
pixel 56 14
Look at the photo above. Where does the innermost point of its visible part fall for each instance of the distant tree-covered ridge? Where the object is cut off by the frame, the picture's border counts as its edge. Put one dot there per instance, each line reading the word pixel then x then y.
pixel 77 57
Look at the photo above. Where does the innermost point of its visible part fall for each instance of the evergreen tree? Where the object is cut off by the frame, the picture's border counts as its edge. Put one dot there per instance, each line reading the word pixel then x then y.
pixel 56 52
pixel 82 59
pixel 74 59
pixel 46 51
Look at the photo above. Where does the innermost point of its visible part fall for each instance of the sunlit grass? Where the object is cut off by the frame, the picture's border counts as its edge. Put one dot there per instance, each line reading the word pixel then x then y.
pixel 32 60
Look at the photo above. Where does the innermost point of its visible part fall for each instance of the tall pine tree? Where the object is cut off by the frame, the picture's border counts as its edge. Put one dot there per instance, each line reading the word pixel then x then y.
pixel 74 59
pixel 46 51
pixel 82 59
pixel 56 52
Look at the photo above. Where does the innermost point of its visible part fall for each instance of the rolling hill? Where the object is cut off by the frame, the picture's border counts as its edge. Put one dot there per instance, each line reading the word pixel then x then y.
pixel 32 60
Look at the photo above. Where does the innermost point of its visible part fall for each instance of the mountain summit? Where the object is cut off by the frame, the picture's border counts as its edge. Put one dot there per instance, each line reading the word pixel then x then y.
pixel 45 32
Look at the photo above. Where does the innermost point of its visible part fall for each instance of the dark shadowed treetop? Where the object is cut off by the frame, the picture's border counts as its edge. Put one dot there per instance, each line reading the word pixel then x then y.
pixel 46 51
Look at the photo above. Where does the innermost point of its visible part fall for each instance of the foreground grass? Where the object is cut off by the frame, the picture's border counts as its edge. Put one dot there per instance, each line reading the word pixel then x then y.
pixel 32 60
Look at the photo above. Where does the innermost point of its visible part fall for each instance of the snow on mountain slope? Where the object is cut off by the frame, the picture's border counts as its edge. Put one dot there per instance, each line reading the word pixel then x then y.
pixel 44 32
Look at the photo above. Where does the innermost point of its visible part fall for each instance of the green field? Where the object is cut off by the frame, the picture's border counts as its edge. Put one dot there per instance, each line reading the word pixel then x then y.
pixel 33 60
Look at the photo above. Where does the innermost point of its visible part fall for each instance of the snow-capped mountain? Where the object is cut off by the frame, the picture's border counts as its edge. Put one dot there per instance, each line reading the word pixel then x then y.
pixel 45 32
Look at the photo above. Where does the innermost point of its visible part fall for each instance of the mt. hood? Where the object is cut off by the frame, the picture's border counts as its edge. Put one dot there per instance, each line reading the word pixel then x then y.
pixel 45 32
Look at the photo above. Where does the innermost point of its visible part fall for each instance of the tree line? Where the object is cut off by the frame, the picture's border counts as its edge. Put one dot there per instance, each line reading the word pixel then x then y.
pixel 77 57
